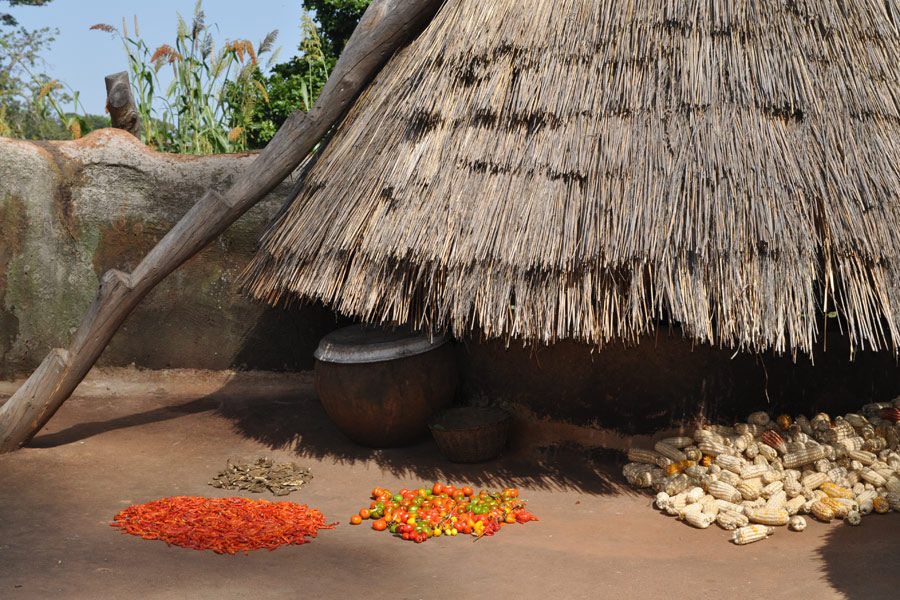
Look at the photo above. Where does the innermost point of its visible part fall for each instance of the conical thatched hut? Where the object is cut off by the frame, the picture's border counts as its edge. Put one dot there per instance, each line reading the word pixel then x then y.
pixel 581 169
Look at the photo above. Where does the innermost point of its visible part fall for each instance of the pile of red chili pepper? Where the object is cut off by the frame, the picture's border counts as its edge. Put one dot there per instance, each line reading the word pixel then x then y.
pixel 224 525
pixel 443 510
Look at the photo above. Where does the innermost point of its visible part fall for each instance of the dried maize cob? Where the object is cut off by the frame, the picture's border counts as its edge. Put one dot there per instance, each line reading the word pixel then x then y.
pixel 714 448
pixel 772 476
pixel 850 503
pixel 854 518
pixel 822 465
pixel 648 457
pixel 784 422
pixel 855 420
pixel 853 443
pixel 893 500
pixel 767 452
pixel 751 471
pixel 669 451
pixel 731 520
pixel 750 489
pixel 675 484
pixel 774 440
pixel 866 458
pixel 693 453
pixel 813 480
pixel 821 511
pixel 675 504
pixel 872 477
pixel 730 477
pixel 803 457
pixel 710 505
pixel 752 450
pixel 839 509
pixel 820 422
pixel 893 484
pixel 679 441
pixel 695 494
pixel 792 487
pixel 803 424
pixel 695 470
pixel 726 505
pixel 688 508
pixel 751 533
pixel 797 523
pixel 836 491
pixel 705 435
pixel 881 505
pixel 699 519
pixel 875 444
pixel 841 431
pixel 891 414
pixel 760 418
pixel 776 500
pixel 769 490
pixel 794 505
pixel 662 500
pixel 724 491
pixel 730 462
pixel 766 516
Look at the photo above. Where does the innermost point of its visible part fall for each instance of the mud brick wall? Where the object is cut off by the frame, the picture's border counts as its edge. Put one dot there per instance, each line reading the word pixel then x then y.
pixel 69 211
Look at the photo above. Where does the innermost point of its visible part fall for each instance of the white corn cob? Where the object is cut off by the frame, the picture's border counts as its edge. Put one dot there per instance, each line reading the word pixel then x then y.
pixel 760 418
pixel 680 441
pixel 693 453
pixel 730 462
pixel 730 477
pixel 710 505
pixel 750 489
pixel 893 484
pixel 773 475
pixel 850 503
pixel 893 500
pixel 855 420
pixel 705 435
pixel 751 471
pixel 777 500
pixel 721 429
pixel 752 450
pixel 792 487
pixel 866 458
pixel 852 443
pixel 813 480
pixel 675 484
pixel 766 516
pixel 795 446
pixel 769 490
pixel 638 474
pixel 803 457
pixel 670 451
pixel 731 520
pixel 751 533
pixel 875 444
pixel 687 509
pixel 699 519
pixel 803 424
pixel 649 457
pixel 695 494
pixel 820 422
pixel 726 505
pixel 872 477
pixel 841 431
pixel 724 491
pixel 854 518
pixel 767 452
pixel 794 505
pixel 662 500
pixel 822 466
pixel 797 523
pixel 676 504
pixel 866 506
pixel 714 448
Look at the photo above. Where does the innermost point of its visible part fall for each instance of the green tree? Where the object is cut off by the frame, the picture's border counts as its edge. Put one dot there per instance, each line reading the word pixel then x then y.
pixel 296 84
pixel 8 19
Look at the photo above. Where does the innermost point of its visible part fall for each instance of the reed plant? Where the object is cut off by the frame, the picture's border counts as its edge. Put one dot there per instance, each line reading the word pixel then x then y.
pixel 208 100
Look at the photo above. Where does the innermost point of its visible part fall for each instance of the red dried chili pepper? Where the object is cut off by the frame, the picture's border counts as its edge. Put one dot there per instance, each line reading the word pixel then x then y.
pixel 224 525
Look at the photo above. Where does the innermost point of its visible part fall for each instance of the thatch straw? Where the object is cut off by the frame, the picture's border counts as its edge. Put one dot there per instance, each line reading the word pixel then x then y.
pixel 552 169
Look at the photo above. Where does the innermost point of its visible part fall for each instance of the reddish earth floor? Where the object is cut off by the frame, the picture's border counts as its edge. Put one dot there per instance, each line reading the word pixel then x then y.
pixel 109 448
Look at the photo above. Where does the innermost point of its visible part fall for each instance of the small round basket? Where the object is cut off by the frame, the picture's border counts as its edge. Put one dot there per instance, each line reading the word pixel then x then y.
pixel 470 434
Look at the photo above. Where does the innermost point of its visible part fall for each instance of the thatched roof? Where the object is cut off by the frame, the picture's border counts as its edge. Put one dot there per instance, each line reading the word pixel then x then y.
pixel 553 169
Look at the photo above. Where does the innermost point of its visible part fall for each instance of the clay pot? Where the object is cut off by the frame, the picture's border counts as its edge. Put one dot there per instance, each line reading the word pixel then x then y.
pixel 381 387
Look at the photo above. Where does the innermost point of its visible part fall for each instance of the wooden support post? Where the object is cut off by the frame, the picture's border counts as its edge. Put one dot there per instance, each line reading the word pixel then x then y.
pixel 120 104
pixel 386 25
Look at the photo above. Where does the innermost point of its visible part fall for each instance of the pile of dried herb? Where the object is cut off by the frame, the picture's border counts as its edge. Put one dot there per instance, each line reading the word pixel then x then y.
pixel 280 479
pixel 224 525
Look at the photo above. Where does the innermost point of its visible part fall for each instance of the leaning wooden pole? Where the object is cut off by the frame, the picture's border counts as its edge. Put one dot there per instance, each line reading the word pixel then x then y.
pixel 386 25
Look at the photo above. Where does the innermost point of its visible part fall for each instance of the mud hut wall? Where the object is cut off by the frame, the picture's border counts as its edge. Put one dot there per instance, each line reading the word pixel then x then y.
pixel 69 211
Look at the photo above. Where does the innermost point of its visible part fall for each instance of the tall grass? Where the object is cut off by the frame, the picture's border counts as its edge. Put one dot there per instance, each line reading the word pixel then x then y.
pixel 210 96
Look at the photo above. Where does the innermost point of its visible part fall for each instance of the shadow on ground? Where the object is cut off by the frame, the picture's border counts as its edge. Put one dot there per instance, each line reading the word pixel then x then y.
pixel 861 562
pixel 300 425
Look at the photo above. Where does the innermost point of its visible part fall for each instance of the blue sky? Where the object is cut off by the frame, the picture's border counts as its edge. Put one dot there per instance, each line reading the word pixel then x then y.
pixel 82 58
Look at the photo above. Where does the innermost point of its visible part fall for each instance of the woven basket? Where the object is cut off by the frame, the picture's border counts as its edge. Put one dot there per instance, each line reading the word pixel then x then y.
pixel 470 434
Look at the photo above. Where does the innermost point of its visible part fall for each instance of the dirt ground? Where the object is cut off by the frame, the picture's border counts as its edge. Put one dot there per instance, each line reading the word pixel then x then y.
pixel 120 442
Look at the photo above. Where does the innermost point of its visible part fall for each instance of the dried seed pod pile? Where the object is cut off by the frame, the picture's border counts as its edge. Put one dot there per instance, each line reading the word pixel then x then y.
pixel 764 473
pixel 280 479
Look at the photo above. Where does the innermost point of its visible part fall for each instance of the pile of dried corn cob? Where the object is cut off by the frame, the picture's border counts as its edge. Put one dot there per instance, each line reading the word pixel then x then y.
pixel 764 473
